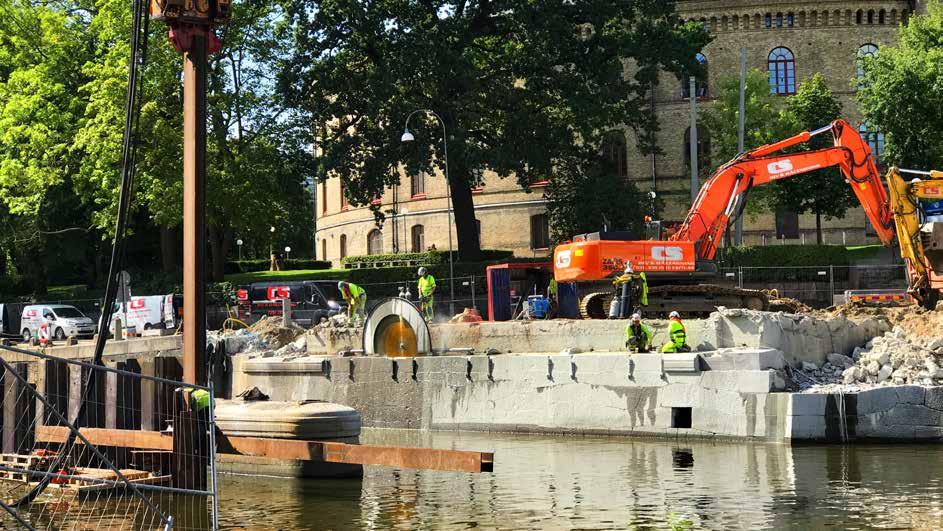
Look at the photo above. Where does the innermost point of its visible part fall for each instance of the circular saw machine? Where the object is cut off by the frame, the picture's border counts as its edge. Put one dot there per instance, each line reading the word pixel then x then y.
pixel 396 329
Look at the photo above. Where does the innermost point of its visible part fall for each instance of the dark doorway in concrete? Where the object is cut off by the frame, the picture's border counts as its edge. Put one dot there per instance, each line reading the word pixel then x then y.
pixel 680 417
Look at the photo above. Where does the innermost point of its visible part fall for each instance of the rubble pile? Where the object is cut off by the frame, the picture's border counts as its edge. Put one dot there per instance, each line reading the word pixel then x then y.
pixel 910 353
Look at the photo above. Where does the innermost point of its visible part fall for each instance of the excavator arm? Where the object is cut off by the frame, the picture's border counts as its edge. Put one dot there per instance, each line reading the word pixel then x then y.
pixel 905 196
pixel 718 198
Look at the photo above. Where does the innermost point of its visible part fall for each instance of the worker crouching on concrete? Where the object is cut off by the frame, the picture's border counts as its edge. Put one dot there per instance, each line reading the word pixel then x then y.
pixel 638 336
pixel 677 336
pixel 426 293
pixel 356 299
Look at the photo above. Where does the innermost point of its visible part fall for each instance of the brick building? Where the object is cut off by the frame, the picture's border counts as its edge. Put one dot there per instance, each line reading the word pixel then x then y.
pixel 791 40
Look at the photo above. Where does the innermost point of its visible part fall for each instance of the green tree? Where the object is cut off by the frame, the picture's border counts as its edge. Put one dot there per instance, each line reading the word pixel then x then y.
pixel 821 192
pixel 903 91
pixel 763 124
pixel 581 200
pixel 524 87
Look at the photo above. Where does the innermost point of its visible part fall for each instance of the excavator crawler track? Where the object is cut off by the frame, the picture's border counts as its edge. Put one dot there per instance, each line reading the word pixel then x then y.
pixel 595 305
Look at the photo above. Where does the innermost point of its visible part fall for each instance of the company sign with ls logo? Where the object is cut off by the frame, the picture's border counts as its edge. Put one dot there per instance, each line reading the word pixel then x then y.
pixel 563 259
pixel 669 254
pixel 278 292
pixel 780 166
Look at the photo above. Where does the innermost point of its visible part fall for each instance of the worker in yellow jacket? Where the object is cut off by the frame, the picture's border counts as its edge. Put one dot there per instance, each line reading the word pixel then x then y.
pixel 677 335
pixel 426 294
pixel 356 299
pixel 638 337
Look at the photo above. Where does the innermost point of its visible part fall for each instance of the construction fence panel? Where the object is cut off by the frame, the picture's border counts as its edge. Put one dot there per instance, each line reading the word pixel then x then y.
pixel 817 286
pixel 458 294
pixel 121 446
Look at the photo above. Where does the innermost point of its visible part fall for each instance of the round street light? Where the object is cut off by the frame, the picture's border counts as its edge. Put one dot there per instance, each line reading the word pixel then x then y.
pixel 239 246
pixel 287 252
pixel 407 136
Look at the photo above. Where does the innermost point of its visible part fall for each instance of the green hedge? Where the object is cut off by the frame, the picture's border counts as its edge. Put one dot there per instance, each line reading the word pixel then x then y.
pixel 784 256
pixel 428 259
pixel 251 266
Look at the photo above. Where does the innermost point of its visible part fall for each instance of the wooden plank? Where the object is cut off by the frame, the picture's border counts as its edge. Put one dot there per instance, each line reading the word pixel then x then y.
pixel 75 392
pixel 38 375
pixel 148 395
pixel 360 454
pixel 10 387
pixel 145 440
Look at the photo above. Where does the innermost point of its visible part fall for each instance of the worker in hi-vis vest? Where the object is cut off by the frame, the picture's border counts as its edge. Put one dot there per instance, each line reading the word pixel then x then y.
pixel 356 299
pixel 677 335
pixel 426 294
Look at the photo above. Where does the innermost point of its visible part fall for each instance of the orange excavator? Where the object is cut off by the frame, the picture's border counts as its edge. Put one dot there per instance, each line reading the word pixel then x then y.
pixel 676 266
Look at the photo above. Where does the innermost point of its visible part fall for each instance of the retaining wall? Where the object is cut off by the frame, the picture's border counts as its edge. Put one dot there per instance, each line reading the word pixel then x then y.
pixel 731 393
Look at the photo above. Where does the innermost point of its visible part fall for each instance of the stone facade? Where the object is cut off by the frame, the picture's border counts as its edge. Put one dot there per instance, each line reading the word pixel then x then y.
pixel 822 36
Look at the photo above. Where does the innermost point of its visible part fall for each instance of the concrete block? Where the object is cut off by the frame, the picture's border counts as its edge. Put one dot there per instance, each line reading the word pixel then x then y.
pixel 928 433
pixel 911 394
pixel 647 363
pixel 602 369
pixel 754 381
pixel 753 358
pixel 803 405
pixel 686 362
pixel 678 395
pixel 934 398
pixel 914 415
pixel 804 427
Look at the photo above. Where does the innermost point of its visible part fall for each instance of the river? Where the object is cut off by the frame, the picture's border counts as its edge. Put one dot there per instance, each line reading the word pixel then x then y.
pixel 560 482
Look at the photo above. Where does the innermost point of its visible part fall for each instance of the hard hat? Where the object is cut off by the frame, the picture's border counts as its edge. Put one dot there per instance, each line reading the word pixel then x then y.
pixel 422 271
pixel 636 317
pixel 674 315
pixel 628 267
pixel 341 285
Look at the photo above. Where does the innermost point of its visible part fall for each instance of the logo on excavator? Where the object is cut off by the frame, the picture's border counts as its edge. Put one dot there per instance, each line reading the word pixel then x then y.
pixel 780 166
pixel 667 253
pixel 563 259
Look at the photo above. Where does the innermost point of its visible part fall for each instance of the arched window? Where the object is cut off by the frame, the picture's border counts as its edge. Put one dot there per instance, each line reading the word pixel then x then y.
pixel 867 50
pixel 418 238
pixel 344 203
pixel 768 20
pixel 343 246
pixel 417 184
pixel 703 150
pixel 875 140
pixel 782 72
pixel 858 16
pixel 324 249
pixel 882 16
pixel 790 20
pixel 615 154
pixel 870 16
pixel 700 82
pixel 375 242
pixel 779 20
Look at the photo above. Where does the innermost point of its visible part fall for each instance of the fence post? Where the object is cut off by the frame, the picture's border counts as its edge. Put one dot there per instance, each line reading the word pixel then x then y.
pixel 472 279
pixel 740 274
pixel 831 284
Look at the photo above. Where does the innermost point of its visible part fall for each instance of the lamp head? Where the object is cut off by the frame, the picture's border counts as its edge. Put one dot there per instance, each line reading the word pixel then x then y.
pixel 407 136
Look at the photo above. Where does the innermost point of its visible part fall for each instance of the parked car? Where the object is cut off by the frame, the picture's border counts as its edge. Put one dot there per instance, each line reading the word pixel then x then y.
pixel 311 300
pixel 62 321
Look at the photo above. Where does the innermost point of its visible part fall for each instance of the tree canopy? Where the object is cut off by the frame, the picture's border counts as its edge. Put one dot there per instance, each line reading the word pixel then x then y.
pixel 903 90
pixel 523 87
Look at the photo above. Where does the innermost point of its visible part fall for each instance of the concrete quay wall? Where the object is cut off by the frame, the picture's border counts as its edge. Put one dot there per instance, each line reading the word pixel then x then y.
pixel 596 393
pixel 799 337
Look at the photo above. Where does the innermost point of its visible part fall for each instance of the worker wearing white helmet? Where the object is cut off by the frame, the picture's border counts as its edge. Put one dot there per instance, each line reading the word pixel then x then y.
pixel 356 298
pixel 426 293
pixel 638 336
pixel 677 335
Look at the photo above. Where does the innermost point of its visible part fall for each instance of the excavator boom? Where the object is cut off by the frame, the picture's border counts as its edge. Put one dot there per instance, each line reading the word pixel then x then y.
pixel 921 241
pixel 717 200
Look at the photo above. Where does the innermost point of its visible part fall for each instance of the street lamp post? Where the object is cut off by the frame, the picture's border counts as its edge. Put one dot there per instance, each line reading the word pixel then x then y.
pixel 287 253
pixel 408 137
pixel 271 249
pixel 239 246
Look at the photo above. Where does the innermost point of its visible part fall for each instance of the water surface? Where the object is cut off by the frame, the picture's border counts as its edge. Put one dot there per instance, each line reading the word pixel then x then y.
pixel 557 482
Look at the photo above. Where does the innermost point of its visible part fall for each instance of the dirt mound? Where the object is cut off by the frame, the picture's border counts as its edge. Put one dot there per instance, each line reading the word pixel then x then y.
pixel 915 321
pixel 785 304
pixel 270 330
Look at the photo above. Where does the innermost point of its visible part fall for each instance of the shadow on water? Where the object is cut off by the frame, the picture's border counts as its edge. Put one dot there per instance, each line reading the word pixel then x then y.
pixel 564 482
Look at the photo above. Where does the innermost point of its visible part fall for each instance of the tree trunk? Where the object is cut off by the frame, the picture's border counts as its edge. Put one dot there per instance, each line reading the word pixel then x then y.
pixel 818 228
pixel 466 228
pixel 219 248
pixel 168 249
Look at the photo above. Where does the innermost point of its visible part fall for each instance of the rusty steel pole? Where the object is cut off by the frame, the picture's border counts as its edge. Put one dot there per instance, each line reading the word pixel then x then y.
pixel 194 210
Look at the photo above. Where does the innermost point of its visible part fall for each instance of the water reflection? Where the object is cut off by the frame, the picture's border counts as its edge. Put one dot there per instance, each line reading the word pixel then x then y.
pixel 574 482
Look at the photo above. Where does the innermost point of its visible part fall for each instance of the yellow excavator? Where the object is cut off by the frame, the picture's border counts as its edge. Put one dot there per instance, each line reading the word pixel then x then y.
pixel 917 206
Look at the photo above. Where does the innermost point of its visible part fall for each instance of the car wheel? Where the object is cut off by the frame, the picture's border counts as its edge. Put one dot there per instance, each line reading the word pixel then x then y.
pixel 60 334
pixel 148 326
pixel 27 335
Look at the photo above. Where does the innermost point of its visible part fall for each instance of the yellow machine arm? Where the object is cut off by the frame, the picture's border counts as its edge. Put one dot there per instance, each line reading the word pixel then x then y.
pixel 904 199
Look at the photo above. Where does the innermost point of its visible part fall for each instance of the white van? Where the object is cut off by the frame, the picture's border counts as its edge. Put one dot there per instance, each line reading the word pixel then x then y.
pixel 143 313
pixel 62 321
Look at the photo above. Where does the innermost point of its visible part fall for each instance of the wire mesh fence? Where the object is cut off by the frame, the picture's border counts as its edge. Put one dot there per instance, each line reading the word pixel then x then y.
pixel 817 285
pixel 105 447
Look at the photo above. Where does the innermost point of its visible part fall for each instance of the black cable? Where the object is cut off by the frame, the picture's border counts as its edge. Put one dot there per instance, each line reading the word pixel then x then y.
pixel 139 33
